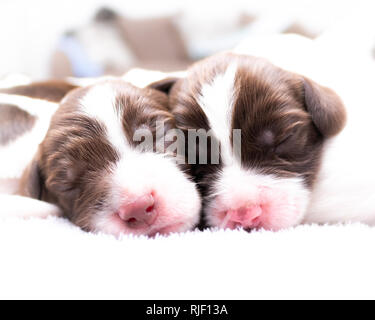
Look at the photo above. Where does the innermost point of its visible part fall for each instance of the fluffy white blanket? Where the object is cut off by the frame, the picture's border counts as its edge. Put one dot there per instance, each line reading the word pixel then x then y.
pixel 53 259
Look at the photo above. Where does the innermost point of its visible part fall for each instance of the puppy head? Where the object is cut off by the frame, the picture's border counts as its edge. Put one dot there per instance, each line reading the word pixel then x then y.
pixel 90 164
pixel 270 126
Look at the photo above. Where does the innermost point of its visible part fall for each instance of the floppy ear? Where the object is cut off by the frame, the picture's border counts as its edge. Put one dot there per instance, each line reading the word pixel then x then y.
pixel 326 108
pixel 31 184
pixel 164 85
pixel 28 201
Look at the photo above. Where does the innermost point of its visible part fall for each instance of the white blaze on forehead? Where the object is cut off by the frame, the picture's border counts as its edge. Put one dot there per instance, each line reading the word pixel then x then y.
pixel 99 103
pixel 216 99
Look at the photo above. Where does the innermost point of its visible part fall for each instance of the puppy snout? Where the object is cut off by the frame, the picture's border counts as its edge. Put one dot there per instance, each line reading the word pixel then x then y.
pixel 139 213
pixel 246 217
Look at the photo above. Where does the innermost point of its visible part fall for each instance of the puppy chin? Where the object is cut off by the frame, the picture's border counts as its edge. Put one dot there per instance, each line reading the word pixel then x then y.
pixel 176 202
pixel 111 224
pixel 250 200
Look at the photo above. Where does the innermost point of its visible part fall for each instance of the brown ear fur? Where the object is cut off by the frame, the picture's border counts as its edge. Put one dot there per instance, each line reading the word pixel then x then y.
pixel 164 85
pixel 53 90
pixel 31 184
pixel 326 108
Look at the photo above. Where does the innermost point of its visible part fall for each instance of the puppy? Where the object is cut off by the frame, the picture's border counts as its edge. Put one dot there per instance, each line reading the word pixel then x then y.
pixel 91 166
pixel 25 113
pixel 272 127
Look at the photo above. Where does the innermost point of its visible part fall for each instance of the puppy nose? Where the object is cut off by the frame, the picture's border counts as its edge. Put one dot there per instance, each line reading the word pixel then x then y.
pixel 246 217
pixel 139 213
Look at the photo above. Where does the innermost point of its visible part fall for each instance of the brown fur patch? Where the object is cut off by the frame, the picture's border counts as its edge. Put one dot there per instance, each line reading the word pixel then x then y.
pixel 52 91
pixel 269 99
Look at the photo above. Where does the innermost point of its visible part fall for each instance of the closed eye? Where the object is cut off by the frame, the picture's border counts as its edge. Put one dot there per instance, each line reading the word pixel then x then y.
pixel 283 145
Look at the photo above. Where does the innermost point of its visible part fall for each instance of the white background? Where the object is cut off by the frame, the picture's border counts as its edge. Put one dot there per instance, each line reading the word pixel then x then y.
pixel 29 30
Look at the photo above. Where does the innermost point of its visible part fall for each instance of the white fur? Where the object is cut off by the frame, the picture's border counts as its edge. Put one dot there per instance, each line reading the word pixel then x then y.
pixel 85 82
pixel 99 103
pixel 345 188
pixel 137 77
pixel 16 155
pixel 35 107
pixel 14 79
pixel 216 99
pixel 239 188
pixel 142 77
pixel 25 146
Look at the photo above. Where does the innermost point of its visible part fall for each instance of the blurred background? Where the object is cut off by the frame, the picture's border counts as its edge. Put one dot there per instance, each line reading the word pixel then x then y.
pixel 55 39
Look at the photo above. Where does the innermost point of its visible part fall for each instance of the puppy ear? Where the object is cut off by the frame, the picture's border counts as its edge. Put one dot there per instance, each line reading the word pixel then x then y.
pixel 53 90
pixel 326 108
pixel 164 85
pixel 31 184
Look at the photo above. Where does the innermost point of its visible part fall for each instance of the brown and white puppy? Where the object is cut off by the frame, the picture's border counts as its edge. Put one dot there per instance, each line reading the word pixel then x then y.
pixel 90 165
pixel 25 113
pixel 266 171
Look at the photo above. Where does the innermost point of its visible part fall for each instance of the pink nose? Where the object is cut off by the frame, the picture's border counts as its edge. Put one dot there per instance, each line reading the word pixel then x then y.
pixel 140 213
pixel 246 217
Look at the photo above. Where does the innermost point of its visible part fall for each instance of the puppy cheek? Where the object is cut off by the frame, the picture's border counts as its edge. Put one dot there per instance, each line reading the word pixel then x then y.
pixel 282 210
